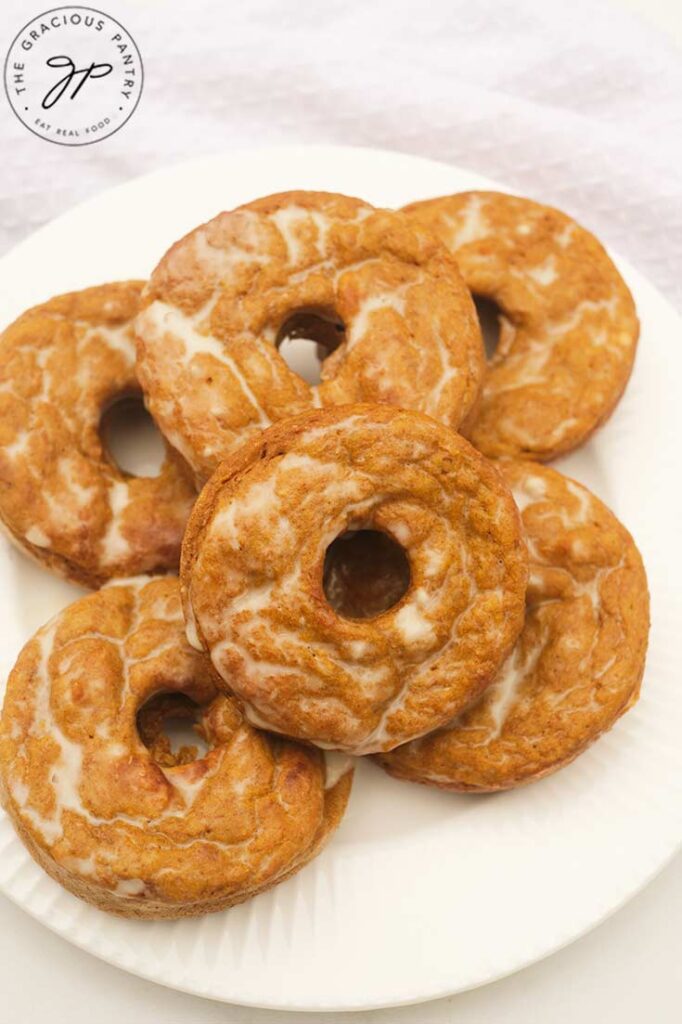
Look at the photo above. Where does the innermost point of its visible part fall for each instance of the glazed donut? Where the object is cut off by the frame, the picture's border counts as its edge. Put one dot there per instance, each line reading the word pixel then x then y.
pixel 218 301
pixel 568 326
pixel 578 663
pixel 252 573
pixel 139 831
pixel 62 498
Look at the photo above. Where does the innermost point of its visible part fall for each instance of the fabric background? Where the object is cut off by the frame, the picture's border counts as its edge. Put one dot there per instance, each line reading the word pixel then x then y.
pixel 577 104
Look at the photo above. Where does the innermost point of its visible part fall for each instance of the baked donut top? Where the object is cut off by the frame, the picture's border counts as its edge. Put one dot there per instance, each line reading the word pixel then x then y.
pixel 83 787
pixel 579 661
pixel 219 299
pixel 568 326
pixel 252 575
pixel 62 364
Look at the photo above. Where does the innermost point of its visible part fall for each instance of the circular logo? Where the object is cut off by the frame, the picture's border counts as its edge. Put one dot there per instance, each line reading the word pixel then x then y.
pixel 73 75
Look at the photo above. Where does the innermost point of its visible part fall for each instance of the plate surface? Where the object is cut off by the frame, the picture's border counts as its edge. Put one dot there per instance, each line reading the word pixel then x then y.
pixel 421 893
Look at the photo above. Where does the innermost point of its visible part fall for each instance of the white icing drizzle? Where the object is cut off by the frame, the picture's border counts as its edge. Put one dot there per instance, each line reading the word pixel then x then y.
pixel 253 650
pixel 531 363
pixel 130 887
pixel 160 319
pixel 187 787
pixel 411 620
pixel 259 502
pixel 287 218
pixel 402 533
pixel 535 338
pixel 69 487
pixel 503 692
pixel 66 771
pixel 86 866
pixel 191 631
pixel 200 433
pixel 360 323
pixel 449 371
pixel 565 236
pixel 18 446
pixel 531 490
pixel 503 695
pixel 582 496
pixel 220 262
pixel 115 546
pixel 323 225
pixel 68 470
pixel 119 339
pixel 544 273
pixel 36 535
pixel 134 582
pixel 471 225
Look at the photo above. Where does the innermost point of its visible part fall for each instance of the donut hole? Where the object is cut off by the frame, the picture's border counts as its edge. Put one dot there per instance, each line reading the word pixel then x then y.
pixel 365 573
pixel 130 437
pixel 170 726
pixel 307 338
pixel 488 313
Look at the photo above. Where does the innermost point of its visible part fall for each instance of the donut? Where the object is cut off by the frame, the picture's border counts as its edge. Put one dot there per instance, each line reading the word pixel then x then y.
pixel 133 828
pixel 567 324
pixel 396 320
pixel 578 663
pixel 252 576
pixel 63 499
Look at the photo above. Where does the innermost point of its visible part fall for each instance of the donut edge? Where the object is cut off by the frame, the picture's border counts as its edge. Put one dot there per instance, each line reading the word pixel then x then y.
pixel 630 699
pixel 336 801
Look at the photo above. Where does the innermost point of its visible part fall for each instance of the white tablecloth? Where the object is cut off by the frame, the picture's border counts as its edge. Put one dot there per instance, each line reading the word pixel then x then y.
pixel 572 102
pixel 575 103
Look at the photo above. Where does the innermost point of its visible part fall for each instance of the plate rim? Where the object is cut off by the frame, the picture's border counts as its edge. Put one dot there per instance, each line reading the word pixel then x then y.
pixel 138 969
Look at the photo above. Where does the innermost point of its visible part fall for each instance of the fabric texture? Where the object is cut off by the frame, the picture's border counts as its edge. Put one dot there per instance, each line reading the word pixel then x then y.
pixel 577 104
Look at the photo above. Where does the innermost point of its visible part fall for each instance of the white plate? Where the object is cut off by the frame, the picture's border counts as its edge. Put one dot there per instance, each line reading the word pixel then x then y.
pixel 421 893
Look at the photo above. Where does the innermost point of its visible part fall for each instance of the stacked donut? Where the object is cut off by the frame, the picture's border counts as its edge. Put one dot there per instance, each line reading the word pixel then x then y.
pixel 376 564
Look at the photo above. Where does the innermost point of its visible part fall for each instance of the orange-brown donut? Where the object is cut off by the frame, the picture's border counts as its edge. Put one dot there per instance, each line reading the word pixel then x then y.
pixel 139 831
pixel 217 301
pixel 62 498
pixel 568 326
pixel 576 667
pixel 252 572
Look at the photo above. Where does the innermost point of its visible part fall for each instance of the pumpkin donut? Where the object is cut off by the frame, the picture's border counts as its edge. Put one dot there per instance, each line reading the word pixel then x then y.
pixel 62 498
pixel 568 326
pixel 578 663
pixel 218 302
pixel 135 829
pixel 252 576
